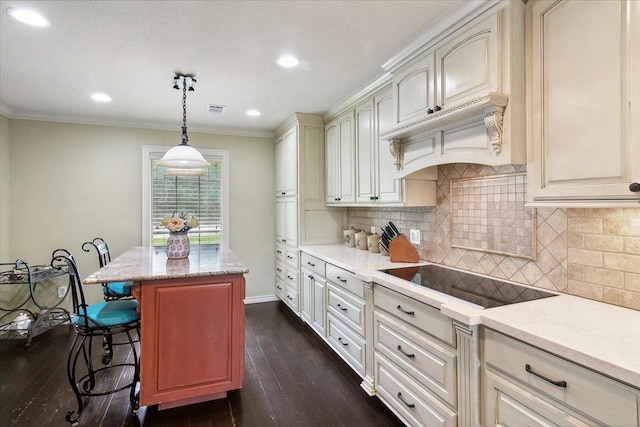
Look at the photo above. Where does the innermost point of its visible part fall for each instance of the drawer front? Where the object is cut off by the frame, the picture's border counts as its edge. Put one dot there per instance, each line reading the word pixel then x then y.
pixel 346 307
pixel 291 257
pixel 280 253
pixel 279 270
pixel 414 403
pixel 291 298
pixel 347 344
pixel 427 361
pixel 601 398
pixel 313 264
pixel 509 405
pixel 291 279
pixel 281 288
pixel 415 313
pixel 345 279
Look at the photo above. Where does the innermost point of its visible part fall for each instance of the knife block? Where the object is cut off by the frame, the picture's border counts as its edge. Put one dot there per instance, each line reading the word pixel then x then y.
pixel 400 250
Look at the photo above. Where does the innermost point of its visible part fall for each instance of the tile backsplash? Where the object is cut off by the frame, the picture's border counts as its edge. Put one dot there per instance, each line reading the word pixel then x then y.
pixel 592 253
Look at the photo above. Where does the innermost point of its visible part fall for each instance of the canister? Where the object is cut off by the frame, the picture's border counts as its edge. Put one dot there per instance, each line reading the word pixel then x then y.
pixel 349 237
pixel 373 243
pixel 361 240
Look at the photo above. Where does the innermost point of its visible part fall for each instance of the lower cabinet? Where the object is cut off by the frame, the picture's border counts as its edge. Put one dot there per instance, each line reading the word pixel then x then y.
pixel 524 385
pixel 313 296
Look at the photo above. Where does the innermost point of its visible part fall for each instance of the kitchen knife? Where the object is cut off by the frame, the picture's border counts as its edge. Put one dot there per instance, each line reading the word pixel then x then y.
pixel 395 229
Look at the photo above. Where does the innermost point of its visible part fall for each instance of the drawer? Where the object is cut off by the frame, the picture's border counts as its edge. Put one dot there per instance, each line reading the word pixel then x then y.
pixel 415 313
pixel 592 394
pixel 410 400
pixel 281 288
pixel 291 279
pixel 345 279
pixel 346 307
pixel 280 253
pixel 279 271
pixel 312 263
pixel 346 343
pixel 291 257
pixel 427 361
pixel 291 298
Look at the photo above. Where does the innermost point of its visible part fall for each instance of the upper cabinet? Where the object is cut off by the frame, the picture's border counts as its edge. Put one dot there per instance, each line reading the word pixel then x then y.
pixel 459 97
pixel 583 103
pixel 340 159
pixel 287 164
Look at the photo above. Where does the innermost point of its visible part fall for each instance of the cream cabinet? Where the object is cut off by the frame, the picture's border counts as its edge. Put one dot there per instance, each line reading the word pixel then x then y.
pixel 286 164
pixel 313 293
pixel 524 385
pixel 376 181
pixel 301 214
pixel 340 159
pixel 459 97
pixel 583 135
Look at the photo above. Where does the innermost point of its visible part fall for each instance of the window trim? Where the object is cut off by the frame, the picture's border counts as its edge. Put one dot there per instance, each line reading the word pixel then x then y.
pixel 150 152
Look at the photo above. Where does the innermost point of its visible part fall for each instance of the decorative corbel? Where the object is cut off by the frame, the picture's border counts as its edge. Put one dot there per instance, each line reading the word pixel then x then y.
pixel 395 147
pixel 493 122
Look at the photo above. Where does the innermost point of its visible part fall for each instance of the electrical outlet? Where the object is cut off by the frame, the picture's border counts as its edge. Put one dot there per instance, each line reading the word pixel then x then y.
pixel 62 291
pixel 373 229
pixel 414 236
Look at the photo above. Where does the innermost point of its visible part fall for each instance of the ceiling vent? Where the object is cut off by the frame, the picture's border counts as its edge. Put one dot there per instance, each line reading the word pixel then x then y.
pixel 216 110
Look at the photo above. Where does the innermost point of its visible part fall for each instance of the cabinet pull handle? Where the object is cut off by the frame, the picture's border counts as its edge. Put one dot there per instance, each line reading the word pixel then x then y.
pixel 341 279
pixel 279 252
pixel 283 193
pixel 279 269
pixel 410 313
pixel 408 405
pixel 438 108
pixel 310 277
pixel 409 355
pixel 430 111
pixel 289 297
pixel 634 187
pixel 341 307
pixel 279 287
pixel 284 240
pixel 311 264
pixel 562 384
pixel 289 256
pixel 341 342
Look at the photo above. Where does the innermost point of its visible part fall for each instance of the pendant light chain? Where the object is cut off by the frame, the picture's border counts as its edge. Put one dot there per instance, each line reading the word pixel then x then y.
pixel 185 138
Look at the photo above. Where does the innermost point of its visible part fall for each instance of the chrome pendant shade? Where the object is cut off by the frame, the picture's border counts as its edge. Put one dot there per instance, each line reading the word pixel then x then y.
pixel 183 158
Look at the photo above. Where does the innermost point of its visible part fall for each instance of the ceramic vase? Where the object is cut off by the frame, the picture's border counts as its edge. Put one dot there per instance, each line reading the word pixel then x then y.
pixel 178 246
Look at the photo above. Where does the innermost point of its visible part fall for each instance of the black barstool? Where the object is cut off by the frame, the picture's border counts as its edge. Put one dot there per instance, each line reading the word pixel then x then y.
pixel 114 290
pixel 104 320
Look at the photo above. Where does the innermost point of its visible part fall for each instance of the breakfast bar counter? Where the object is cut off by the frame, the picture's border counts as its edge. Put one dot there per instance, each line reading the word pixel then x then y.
pixel 192 321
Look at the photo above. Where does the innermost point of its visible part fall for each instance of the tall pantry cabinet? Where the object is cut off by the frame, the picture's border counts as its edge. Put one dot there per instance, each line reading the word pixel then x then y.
pixel 301 215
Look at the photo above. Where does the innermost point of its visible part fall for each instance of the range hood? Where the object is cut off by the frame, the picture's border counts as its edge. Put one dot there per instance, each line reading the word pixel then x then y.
pixel 481 118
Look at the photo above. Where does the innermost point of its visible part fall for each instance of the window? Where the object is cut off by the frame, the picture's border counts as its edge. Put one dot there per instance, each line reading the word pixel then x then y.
pixel 206 197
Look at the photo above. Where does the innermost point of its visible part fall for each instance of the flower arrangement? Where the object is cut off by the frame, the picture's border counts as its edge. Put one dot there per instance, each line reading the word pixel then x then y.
pixel 180 223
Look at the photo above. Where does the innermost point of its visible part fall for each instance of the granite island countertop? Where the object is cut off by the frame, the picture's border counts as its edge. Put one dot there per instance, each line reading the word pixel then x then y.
pixel 151 263
pixel 602 337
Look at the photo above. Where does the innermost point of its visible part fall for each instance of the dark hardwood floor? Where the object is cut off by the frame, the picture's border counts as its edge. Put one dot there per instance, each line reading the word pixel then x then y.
pixel 291 378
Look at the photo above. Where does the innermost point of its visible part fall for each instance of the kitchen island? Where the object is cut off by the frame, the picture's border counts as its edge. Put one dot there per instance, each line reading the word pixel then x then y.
pixel 192 321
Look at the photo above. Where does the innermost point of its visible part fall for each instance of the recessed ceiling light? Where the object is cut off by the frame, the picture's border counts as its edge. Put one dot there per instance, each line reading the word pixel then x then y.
pixel 253 113
pixel 100 97
pixel 28 17
pixel 287 61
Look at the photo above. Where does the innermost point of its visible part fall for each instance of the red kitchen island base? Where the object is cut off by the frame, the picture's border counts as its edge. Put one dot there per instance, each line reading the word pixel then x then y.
pixel 192 323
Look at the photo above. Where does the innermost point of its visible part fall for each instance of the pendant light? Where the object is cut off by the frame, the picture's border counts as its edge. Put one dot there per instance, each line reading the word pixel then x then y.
pixel 183 157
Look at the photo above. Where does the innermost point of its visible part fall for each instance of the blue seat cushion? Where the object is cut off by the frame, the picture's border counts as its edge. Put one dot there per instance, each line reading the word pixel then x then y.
pixel 108 314
pixel 118 289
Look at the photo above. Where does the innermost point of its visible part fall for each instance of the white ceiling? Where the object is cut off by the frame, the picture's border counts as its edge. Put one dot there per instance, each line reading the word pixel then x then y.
pixel 131 50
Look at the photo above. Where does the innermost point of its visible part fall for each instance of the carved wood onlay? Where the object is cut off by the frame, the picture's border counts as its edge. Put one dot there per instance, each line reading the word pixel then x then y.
pixel 468 366
pixel 493 122
pixel 395 147
pixel 368 383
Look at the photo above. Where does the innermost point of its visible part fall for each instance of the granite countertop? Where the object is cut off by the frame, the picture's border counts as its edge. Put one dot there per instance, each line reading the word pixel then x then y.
pixel 149 263
pixel 603 337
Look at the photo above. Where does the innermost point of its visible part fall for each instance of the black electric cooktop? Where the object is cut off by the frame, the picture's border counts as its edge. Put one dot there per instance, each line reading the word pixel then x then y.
pixel 478 290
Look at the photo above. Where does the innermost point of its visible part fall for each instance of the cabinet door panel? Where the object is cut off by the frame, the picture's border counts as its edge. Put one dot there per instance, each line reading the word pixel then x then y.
pixel 291 221
pixel 581 130
pixel 365 172
pixel 290 154
pixel 280 221
pixel 347 159
pixel 332 161
pixel 467 66
pixel 280 168
pixel 389 188
pixel 319 305
pixel 414 89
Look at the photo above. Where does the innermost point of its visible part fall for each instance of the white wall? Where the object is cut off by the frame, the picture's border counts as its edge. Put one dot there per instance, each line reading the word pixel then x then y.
pixel 4 189
pixel 70 183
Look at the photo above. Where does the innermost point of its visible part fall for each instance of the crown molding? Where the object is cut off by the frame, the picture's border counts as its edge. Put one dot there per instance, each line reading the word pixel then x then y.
pixel 14 114
pixel 358 96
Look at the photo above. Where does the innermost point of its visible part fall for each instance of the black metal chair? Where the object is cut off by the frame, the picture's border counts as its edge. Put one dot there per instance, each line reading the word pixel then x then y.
pixel 102 320
pixel 114 290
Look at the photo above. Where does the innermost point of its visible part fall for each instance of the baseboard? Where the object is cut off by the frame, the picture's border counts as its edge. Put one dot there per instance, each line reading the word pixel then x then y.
pixel 263 298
